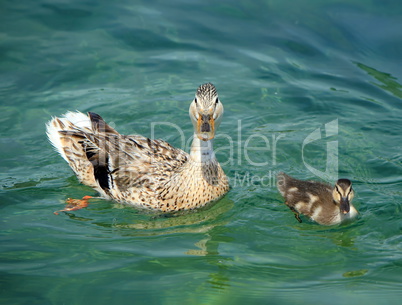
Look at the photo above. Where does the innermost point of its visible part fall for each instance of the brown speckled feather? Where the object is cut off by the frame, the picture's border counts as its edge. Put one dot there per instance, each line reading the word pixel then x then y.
pixel 135 169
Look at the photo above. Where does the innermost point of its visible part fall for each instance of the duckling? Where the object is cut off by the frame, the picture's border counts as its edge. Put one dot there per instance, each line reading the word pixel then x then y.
pixel 321 202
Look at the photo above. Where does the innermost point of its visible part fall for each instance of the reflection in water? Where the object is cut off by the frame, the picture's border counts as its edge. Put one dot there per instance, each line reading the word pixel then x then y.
pixel 219 280
pixel 134 224
pixel 355 273
pixel 343 235
pixel 389 82
pixel 209 248
pixel 202 247
pixel 210 222
pixel 197 221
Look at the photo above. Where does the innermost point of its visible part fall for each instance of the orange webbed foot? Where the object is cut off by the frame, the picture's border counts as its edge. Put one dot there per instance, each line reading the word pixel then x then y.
pixel 75 204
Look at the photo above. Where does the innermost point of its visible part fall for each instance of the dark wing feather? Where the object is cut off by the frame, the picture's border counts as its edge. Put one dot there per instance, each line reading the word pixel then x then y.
pixel 127 161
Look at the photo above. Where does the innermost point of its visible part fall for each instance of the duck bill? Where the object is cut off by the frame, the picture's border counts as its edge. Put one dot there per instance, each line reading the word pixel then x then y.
pixel 345 205
pixel 205 127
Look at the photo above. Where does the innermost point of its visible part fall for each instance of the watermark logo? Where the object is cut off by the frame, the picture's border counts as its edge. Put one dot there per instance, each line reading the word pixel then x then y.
pixel 331 170
pixel 249 149
pixel 240 153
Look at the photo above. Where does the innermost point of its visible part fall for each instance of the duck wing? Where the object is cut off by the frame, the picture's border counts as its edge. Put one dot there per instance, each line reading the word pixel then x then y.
pixel 106 160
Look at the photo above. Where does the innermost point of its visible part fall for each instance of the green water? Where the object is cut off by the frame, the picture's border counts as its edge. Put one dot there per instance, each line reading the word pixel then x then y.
pixel 283 69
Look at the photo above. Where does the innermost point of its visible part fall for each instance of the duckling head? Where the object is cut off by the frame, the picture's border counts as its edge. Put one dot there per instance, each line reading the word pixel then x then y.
pixel 206 112
pixel 343 194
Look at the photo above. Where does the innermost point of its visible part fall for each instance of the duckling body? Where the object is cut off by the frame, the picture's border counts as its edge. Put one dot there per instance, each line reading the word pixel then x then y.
pixel 140 171
pixel 321 202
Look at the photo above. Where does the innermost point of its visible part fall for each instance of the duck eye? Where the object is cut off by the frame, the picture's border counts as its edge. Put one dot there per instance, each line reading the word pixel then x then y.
pixel 195 100
pixel 216 101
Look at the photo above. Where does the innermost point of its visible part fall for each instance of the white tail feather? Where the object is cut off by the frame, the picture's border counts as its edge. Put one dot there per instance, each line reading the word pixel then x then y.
pixel 70 120
pixel 78 119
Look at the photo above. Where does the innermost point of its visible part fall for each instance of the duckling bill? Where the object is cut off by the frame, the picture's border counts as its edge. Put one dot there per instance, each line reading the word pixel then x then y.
pixel 321 202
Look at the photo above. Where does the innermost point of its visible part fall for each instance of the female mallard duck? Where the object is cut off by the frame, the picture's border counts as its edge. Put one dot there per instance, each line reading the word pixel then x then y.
pixel 143 172
pixel 321 202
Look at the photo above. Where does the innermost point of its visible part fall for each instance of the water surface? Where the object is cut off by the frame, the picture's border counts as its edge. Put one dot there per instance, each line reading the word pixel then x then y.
pixel 283 70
